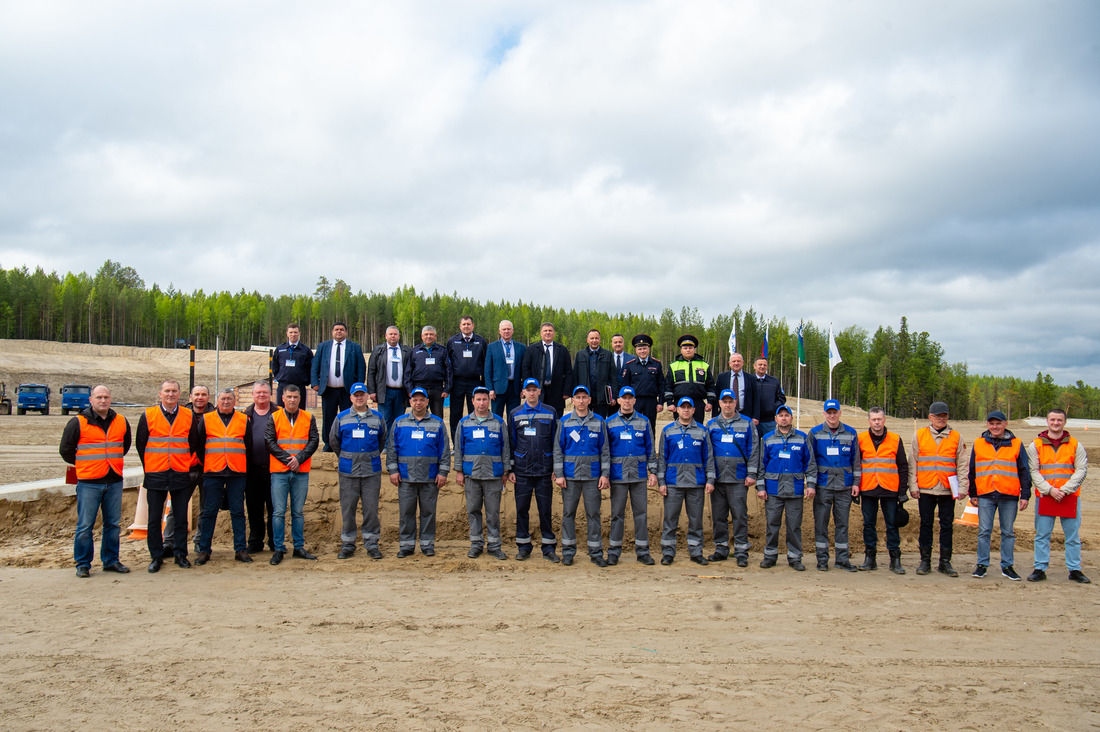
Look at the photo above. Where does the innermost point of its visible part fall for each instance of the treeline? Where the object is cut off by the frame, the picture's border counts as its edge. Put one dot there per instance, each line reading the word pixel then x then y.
pixel 902 371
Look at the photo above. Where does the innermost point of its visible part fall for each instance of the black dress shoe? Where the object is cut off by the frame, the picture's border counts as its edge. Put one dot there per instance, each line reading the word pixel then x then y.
pixel 742 561
pixel 83 572
pixel 243 557
pixel 373 553
pixel 522 556
pixel 498 554
pixel 474 553
pixel 429 552
pixel 201 558
pixel 346 552
pixel 716 557
pixel 276 558
pixel 612 560
pixel 847 566
pixel 646 560
pixel 402 553
pixel 155 565
pixel 598 560
pixel 551 557
pixel 767 563
pixel 699 559
pixel 666 560
pixel 182 562
pixel 303 554
pixel 797 566
pixel 567 560
pixel 116 567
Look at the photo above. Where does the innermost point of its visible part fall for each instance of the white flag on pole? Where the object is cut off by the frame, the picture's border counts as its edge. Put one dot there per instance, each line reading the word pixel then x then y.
pixel 834 354
pixel 733 339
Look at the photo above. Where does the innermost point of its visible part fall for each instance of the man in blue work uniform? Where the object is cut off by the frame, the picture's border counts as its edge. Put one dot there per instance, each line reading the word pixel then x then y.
pixel 736 449
pixel 357 437
pixel 418 458
pixel 646 376
pixel 531 433
pixel 466 352
pixel 787 458
pixel 482 459
pixel 685 470
pixel 836 451
pixel 633 472
pixel 581 467
pixel 430 370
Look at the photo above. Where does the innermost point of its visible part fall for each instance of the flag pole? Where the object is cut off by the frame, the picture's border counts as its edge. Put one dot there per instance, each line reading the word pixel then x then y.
pixel 798 401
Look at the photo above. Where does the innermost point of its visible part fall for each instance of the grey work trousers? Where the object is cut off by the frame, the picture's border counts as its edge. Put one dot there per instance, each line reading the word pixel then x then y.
pixel 636 492
pixel 353 492
pixel 571 496
pixel 837 503
pixel 774 508
pixel 483 494
pixel 727 499
pixel 411 496
pixel 695 498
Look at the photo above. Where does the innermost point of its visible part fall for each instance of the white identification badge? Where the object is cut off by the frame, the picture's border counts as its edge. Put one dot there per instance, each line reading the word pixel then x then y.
pixel 727 438
pixel 785 456
pixel 509 359
pixel 680 445
pixel 576 436
pixel 832 451
pixel 467 354
pixel 291 362
pixel 359 433
pixel 628 436
pixel 429 362
pixel 418 434
pixel 479 434
pixel 530 431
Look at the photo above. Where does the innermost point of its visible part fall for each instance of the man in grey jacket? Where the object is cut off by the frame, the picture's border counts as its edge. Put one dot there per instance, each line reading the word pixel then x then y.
pixel 357 436
pixel 482 459
pixel 582 464
pixel 418 458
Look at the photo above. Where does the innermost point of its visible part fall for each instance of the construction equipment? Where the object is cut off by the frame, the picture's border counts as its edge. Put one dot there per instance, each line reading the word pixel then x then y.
pixel 5 402
pixel 35 397
pixel 75 397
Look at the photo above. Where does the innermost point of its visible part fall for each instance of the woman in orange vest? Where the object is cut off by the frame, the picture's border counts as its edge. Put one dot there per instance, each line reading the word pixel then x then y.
pixel 225 434
pixel 1058 465
pixel 95 441
pixel 1000 483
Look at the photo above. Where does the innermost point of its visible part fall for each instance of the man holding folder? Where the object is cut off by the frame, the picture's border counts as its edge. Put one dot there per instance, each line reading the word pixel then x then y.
pixel 938 475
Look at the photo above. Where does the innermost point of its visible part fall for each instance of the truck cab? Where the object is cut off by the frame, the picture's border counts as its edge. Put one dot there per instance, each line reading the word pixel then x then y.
pixel 75 397
pixel 35 397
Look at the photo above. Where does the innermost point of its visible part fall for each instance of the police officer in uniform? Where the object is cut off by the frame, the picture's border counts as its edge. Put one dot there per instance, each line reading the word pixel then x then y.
pixel 690 376
pixel 646 377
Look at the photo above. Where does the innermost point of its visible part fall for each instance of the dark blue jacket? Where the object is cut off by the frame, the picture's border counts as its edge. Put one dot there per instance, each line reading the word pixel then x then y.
pixel 531 431
pixel 291 365
pixel 496 367
pixel 355 365
pixel 430 368
pixel 467 369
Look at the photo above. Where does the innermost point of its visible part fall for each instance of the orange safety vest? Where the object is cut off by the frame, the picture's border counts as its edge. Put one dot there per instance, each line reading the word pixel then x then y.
pixel 99 452
pixel 292 438
pixel 995 470
pixel 935 463
pixel 167 448
pixel 1056 466
pixel 225 443
pixel 879 468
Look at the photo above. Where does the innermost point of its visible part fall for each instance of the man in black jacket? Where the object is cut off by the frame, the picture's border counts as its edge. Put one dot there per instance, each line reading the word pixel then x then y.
pixel 740 383
pixel 593 367
pixel 769 397
pixel 291 362
pixel 548 361
pixel 466 351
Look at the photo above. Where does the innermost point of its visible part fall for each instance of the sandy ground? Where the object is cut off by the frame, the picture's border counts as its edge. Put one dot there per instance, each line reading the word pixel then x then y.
pixel 452 643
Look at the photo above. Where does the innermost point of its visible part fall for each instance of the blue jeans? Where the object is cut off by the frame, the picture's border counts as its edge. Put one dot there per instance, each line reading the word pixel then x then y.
pixel 1071 527
pixel 296 486
pixel 393 407
pixel 90 498
pixel 215 489
pixel 1006 512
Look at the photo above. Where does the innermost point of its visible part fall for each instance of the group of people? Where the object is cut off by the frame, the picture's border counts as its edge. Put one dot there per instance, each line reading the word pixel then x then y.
pixel 515 430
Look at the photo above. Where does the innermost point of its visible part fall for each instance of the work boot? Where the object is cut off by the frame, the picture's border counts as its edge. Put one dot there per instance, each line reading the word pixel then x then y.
pixel 869 563
pixel 925 565
pixel 895 562
pixel 946 568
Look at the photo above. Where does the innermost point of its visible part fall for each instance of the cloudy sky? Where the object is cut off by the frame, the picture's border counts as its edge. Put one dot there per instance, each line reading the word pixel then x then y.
pixel 848 161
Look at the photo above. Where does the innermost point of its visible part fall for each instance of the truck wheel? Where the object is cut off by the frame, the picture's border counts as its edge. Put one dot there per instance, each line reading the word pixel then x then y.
pixel 20 410
pixel 46 411
pixel 65 411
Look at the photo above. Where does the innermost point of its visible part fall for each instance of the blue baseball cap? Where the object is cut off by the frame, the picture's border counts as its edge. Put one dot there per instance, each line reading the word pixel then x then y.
pixel 786 409
pixel 357 387
pixel 727 393
pixel 685 400
pixel 581 387
pixel 832 404
pixel 996 414
pixel 419 390
pixel 480 390
pixel 626 390
pixel 532 382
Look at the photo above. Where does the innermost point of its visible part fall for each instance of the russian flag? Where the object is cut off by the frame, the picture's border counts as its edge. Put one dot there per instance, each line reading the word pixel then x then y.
pixel 764 348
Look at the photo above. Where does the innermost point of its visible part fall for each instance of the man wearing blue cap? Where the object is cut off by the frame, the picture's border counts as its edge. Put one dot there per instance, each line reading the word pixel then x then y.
pixel 685 471
pixel 1000 483
pixel 581 466
pixel 357 437
pixel 482 460
pixel 418 458
pixel 736 447
pixel 531 434
pixel 836 450
pixel 787 460
pixel 633 471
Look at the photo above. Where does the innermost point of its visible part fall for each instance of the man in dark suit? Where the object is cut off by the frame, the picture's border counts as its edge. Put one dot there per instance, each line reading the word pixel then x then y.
pixel 769 397
pixel 387 376
pixel 594 368
pixel 503 361
pixel 466 352
pixel 291 362
pixel 337 365
pixel 740 383
pixel 549 362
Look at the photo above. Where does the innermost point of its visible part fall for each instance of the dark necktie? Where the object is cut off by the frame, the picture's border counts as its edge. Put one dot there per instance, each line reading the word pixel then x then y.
pixel 394 365
pixel 549 375
pixel 618 362
pixel 508 357
pixel 338 369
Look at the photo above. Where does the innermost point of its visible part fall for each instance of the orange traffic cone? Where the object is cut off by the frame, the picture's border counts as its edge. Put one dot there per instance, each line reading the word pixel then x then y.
pixel 139 530
pixel 969 516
